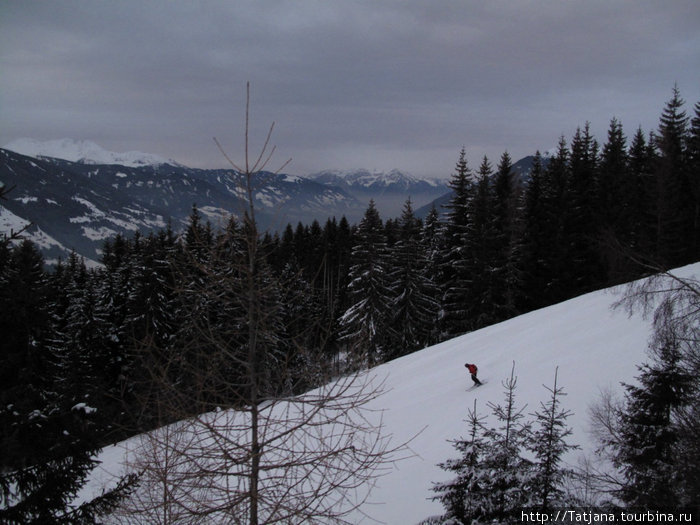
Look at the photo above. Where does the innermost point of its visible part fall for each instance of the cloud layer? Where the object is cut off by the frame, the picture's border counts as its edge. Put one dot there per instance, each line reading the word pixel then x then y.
pixel 391 84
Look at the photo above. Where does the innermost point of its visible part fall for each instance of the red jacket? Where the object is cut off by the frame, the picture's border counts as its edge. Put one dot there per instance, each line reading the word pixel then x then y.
pixel 472 368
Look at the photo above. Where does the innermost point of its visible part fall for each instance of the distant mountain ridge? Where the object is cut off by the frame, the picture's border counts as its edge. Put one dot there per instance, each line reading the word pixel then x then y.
pixel 392 180
pixel 76 194
pixel 75 205
pixel 389 190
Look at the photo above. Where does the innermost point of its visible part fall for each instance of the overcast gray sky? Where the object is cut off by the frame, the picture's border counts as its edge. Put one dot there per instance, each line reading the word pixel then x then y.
pixel 349 83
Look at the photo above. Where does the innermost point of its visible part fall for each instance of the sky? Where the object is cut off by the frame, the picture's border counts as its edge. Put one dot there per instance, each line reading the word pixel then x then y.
pixel 374 84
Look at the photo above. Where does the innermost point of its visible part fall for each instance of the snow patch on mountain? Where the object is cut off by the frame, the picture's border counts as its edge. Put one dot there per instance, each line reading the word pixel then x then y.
pixel 365 178
pixel 10 223
pixel 84 151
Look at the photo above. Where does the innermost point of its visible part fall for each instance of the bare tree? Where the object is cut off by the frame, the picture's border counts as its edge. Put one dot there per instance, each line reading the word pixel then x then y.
pixel 241 446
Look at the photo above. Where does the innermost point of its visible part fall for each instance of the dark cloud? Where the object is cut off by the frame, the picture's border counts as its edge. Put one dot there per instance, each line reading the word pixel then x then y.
pixel 375 84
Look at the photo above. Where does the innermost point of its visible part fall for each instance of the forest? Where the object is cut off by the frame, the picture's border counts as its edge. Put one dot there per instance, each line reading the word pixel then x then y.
pixel 93 356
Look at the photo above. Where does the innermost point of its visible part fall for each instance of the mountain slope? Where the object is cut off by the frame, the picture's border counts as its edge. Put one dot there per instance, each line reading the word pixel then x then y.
pixel 426 395
pixel 79 205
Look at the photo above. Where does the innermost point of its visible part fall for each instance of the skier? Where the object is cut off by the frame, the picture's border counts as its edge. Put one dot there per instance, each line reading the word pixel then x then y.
pixel 472 370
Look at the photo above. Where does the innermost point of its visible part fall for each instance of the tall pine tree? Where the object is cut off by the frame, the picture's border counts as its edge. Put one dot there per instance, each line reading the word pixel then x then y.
pixel 454 269
pixel 414 308
pixel 365 326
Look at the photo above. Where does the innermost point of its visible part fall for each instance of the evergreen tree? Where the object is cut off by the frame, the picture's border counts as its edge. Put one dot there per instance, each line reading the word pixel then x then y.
pixel 49 438
pixel 460 184
pixel 77 344
pixel 535 240
pixel 614 191
pixel 198 237
pixel 693 172
pixel 464 497
pixel 642 191
pixel 583 271
pixel 508 469
pixel 365 326
pixel 454 269
pixel 615 203
pixel 648 452
pixel 491 476
pixel 431 243
pixel 305 330
pixel 506 218
pixel 556 203
pixel 414 309
pixel 548 445
pixel 338 249
pixel 674 197
pixel 26 360
pixel 479 302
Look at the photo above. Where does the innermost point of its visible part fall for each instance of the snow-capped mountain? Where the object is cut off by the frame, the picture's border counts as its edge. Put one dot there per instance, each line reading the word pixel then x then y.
pixel 84 151
pixel 393 180
pixel 388 189
pixel 76 205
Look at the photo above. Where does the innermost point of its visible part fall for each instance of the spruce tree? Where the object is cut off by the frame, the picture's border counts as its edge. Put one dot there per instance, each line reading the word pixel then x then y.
pixel 583 271
pixel 648 451
pixel 491 476
pixel 506 218
pixel 414 309
pixel 693 172
pixel 642 198
pixel 479 303
pixel 504 458
pixel 49 438
pixel 431 243
pixel 556 210
pixel 548 445
pixel 674 200
pixel 455 276
pixel 464 497
pixel 365 325
pixel 615 203
pixel 535 240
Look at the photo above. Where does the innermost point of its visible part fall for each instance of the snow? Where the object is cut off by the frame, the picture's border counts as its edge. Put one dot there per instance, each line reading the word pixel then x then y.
pixel 426 393
pixel 83 151
pixel 26 199
pixel 85 408
pixel 215 214
pixel 11 222
pixel 98 234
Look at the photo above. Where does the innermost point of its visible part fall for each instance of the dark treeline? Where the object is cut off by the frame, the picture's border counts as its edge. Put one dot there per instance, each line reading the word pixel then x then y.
pixel 80 345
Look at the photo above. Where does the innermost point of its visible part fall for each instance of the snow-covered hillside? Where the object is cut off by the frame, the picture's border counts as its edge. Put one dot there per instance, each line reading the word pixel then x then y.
pixel 427 393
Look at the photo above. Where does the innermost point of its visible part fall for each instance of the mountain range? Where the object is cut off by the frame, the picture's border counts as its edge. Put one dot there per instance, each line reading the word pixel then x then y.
pixel 388 190
pixel 76 194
